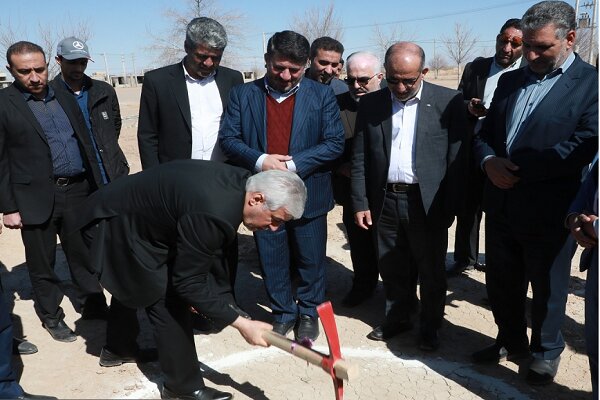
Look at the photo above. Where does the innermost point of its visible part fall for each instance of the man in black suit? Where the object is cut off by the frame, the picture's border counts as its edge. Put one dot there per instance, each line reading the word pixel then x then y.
pixel 179 108
pixel 325 63
pixel 364 76
pixel 407 181
pixel 159 240
pixel 47 166
pixel 539 133
pixel 478 82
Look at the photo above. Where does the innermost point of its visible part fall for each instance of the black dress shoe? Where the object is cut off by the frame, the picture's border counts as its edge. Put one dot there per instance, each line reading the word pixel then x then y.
pixel 307 328
pixel 110 359
pixel 23 347
pixel 389 330
pixel 429 341
pixel 479 266
pixel 457 268
pixel 60 331
pixel 283 328
pixel 495 353
pixel 206 393
pixel 26 395
pixel 356 297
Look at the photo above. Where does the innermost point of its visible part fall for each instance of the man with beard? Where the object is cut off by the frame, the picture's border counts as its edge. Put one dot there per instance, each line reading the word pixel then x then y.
pixel 539 133
pixel 326 63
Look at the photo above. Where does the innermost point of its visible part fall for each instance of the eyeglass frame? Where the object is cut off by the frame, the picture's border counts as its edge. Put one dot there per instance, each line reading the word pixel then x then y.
pixel 515 41
pixel 350 81
pixel 406 82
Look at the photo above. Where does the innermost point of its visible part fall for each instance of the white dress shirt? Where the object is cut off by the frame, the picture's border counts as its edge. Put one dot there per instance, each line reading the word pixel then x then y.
pixel 404 129
pixel 206 110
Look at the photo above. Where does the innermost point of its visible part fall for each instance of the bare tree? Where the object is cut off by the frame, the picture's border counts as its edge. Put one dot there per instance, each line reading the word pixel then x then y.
pixel 459 45
pixel 438 62
pixel 317 22
pixel 169 45
pixel 384 38
pixel 47 36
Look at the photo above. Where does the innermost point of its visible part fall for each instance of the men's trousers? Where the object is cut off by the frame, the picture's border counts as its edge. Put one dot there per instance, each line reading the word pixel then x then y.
pixel 171 320
pixel 409 245
pixel 300 243
pixel 362 253
pixel 514 259
pixel 40 254
pixel 9 387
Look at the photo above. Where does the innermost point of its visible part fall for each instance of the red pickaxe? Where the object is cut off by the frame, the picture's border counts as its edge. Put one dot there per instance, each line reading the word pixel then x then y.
pixel 338 368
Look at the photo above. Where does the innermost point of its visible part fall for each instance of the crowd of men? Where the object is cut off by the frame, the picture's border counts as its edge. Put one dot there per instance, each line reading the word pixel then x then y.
pixel 402 156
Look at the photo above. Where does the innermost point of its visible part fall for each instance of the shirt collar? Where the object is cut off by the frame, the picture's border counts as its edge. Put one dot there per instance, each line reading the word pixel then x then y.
pixel 511 66
pixel 191 79
pixel 270 90
pixel 410 101
pixel 28 96
pixel 559 70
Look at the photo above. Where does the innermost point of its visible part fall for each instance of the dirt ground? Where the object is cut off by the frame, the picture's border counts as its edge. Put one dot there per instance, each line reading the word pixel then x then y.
pixel 393 370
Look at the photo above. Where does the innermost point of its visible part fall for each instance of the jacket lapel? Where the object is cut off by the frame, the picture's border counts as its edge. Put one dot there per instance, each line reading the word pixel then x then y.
pixel 257 105
pixel 222 86
pixel 17 99
pixel 177 83
pixel 301 109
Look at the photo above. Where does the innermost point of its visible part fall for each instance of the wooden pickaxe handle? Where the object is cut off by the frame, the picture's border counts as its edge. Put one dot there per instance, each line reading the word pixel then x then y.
pixel 343 369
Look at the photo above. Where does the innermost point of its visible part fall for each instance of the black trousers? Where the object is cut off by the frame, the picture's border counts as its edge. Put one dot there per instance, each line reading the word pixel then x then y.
pixel 409 244
pixel 362 253
pixel 40 254
pixel 514 259
pixel 172 323
pixel 466 242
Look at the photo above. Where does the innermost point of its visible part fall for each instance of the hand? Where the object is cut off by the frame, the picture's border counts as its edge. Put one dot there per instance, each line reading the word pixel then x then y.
pixel 12 220
pixel 363 219
pixel 500 171
pixel 476 108
pixel 275 161
pixel 252 331
pixel 582 229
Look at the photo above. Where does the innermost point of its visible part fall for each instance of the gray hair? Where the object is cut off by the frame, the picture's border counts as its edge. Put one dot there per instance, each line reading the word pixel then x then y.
pixel 281 189
pixel 558 13
pixel 205 31
pixel 373 61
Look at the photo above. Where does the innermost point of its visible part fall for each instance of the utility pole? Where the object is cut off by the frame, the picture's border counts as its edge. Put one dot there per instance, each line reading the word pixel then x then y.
pixel 124 70
pixel 134 83
pixel 264 43
pixel 592 31
pixel 106 68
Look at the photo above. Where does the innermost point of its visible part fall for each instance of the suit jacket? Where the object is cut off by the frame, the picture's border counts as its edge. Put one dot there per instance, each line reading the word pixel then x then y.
pixel 26 170
pixel 165 120
pixel 440 161
pixel 584 203
pixel 166 228
pixel 316 140
pixel 341 184
pixel 105 116
pixel 558 139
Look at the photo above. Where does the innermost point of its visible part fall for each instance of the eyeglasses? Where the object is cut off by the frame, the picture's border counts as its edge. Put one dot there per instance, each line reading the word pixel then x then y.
pixel 515 41
pixel 408 82
pixel 362 80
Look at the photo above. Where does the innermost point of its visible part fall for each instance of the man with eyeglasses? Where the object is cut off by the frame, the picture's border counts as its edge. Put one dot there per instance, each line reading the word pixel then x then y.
pixel 326 62
pixel 478 82
pixel 363 76
pixel 407 182
pixel 539 133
